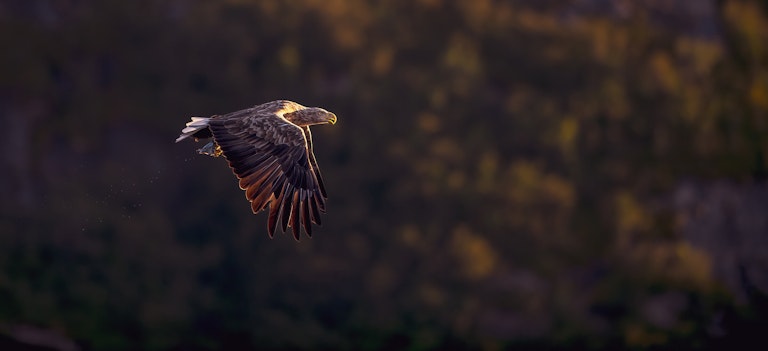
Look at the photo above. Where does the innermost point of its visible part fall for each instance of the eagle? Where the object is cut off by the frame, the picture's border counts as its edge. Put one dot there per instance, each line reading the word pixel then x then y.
pixel 269 149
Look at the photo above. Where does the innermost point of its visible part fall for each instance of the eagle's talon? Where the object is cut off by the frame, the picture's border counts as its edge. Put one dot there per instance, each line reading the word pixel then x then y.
pixel 210 149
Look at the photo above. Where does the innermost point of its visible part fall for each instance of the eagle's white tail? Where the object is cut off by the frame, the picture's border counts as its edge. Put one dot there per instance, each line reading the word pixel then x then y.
pixel 197 124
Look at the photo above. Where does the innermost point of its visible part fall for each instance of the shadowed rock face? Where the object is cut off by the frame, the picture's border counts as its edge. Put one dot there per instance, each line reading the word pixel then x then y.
pixel 29 338
pixel 730 222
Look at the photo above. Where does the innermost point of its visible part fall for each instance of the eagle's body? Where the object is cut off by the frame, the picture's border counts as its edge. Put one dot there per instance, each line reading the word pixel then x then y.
pixel 269 148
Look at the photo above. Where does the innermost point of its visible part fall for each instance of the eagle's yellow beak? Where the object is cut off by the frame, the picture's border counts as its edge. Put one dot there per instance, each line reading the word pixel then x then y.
pixel 332 120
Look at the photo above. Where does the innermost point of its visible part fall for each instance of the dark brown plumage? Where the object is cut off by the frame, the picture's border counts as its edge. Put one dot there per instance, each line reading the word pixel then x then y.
pixel 269 148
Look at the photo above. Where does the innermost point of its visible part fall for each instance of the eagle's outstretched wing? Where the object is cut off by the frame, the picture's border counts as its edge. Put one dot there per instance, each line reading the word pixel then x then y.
pixel 313 161
pixel 274 162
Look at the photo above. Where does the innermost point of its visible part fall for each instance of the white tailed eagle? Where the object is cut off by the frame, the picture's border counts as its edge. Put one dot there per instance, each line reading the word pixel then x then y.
pixel 269 148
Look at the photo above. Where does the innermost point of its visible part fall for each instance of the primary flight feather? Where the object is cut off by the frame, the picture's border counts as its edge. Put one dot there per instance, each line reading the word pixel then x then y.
pixel 269 148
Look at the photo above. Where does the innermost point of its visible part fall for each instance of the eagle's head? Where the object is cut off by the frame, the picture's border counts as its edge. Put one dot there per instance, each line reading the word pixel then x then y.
pixel 308 116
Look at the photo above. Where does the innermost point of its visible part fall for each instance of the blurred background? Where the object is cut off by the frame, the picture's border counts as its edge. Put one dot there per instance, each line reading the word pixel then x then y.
pixel 559 174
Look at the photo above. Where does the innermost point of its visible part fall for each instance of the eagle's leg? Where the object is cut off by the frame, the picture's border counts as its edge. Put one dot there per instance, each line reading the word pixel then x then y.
pixel 210 149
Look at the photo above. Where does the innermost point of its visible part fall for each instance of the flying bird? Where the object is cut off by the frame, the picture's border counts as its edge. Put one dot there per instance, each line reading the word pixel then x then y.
pixel 269 148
